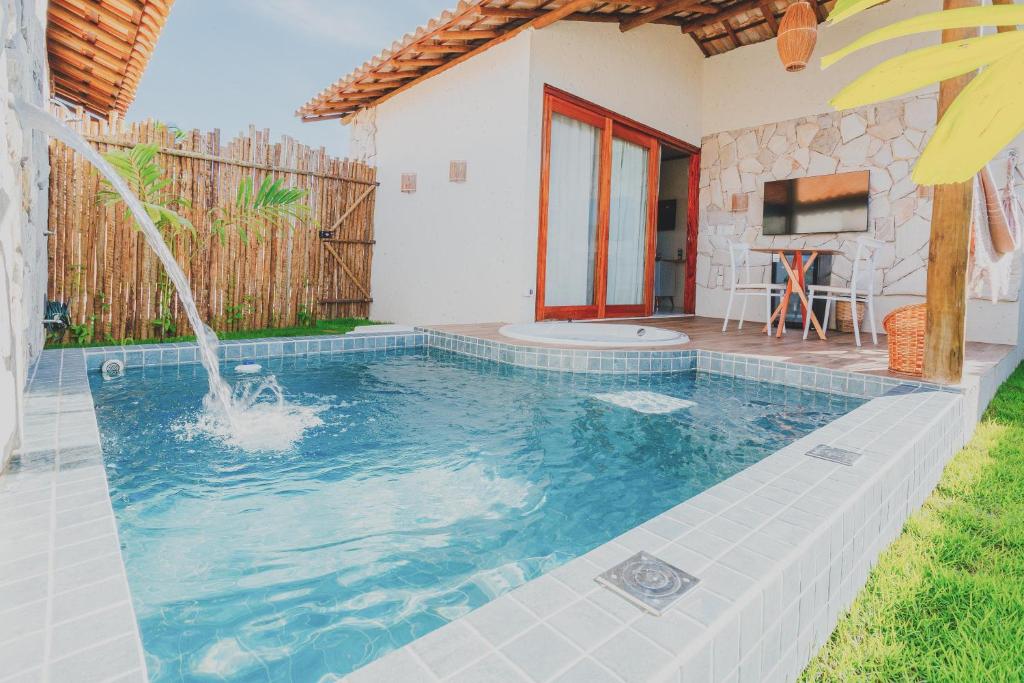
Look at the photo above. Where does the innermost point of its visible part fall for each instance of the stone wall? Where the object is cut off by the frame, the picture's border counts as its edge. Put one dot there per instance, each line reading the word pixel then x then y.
pixel 24 173
pixel 885 139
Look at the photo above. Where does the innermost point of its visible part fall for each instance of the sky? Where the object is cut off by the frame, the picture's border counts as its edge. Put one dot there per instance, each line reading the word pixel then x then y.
pixel 228 63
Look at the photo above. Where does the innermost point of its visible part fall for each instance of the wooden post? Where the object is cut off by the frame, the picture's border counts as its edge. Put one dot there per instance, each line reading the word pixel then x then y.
pixel 948 248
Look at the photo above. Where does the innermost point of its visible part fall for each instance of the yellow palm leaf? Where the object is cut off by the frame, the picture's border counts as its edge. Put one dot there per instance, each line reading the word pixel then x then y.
pixel 844 9
pixel 986 116
pixel 966 17
pixel 919 68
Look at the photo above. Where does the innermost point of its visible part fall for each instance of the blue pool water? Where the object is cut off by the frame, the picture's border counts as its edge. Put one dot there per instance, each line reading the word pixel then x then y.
pixel 426 484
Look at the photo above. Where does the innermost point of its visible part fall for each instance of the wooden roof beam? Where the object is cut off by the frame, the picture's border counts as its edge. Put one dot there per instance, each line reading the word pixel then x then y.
pixel 661 11
pixel 598 17
pixel 730 12
pixel 732 33
pixel 554 15
pixel 468 35
pixel 701 45
pixel 769 16
pixel 443 49
pixel 635 3
pixel 390 77
pixel 724 15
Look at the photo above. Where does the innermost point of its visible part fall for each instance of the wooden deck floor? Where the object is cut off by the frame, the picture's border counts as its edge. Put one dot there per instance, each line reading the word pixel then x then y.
pixel 838 352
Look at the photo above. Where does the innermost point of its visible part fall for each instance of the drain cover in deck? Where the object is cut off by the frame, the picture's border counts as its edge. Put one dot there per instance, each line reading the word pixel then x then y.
pixel 833 454
pixel 648 582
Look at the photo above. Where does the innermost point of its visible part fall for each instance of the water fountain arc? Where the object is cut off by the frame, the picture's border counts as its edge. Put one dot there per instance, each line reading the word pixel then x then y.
pixel 221 401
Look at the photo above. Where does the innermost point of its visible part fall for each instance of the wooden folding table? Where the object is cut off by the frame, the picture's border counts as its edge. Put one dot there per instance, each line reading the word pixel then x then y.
pixel 796 270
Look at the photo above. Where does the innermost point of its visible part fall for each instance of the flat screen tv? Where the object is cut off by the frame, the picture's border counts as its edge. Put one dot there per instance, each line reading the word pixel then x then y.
pixel 828 203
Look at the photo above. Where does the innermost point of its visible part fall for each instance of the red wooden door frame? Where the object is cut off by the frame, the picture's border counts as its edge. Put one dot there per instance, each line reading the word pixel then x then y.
pixel 614 125
pixel 692 228
pixel 623 132
pixel 593 310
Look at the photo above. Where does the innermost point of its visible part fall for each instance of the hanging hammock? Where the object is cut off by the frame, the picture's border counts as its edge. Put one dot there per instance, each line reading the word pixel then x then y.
pixel 995 231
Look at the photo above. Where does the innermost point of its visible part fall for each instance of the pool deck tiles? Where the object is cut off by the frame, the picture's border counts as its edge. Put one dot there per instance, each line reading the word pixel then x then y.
pixel 781 550
pixel 65 606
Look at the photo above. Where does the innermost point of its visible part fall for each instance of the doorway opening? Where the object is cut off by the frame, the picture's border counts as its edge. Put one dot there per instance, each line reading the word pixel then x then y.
pixel 671 267
pixel 599 242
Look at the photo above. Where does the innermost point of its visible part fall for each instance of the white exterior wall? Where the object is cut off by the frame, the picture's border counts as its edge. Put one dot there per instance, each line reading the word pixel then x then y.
pixel 24 170
pixel 468 252
pixel 453 252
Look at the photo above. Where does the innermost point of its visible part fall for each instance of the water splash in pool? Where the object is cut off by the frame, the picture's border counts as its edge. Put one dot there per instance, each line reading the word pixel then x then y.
pixel 233 413
pixel 262 420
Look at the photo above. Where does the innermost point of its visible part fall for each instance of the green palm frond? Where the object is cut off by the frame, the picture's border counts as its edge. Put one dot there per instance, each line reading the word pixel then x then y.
pixel 138 167
pixel 259 210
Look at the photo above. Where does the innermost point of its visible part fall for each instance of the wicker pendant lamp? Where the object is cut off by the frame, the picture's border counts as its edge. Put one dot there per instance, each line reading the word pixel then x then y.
pixel 798 32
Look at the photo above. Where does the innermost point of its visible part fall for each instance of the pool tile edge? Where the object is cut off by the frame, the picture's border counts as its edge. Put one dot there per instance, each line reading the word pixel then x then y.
pixel 76 611
pixel 781 549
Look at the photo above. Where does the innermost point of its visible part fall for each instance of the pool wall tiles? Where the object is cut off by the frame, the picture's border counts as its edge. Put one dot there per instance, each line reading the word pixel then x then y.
pixel 187 352
pixel 781 550
pixel 540 358
pixel 730 365
pixel 565 360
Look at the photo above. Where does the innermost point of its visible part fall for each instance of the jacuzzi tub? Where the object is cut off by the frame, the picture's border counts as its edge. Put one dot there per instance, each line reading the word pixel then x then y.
pixel 593 334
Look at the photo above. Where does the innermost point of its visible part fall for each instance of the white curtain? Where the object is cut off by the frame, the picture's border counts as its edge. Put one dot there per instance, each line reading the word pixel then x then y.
pixel 627 229
pixel 572 213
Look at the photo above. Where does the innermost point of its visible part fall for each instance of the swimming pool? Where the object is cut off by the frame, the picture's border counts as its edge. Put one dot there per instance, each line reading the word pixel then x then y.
pixel 426 484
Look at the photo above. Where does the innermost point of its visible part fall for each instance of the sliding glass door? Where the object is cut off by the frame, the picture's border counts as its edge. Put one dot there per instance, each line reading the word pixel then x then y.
pixel 629 224
pixel 572 214
pixel 597 223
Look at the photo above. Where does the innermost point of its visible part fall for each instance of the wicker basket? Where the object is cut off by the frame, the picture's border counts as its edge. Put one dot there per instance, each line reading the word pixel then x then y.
pixel 905 327
pixel 844 321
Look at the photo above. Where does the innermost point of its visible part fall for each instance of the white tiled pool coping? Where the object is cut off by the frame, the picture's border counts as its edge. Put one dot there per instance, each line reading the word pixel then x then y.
pixel 781 548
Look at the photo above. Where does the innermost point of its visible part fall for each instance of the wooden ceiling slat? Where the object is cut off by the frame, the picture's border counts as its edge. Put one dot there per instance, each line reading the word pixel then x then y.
pixel 663 10
pixel 769 16
pixel 601 17
pixel 100 15
pixel 99 49
pixel 62 59
pixel 88 36
pixel 61 42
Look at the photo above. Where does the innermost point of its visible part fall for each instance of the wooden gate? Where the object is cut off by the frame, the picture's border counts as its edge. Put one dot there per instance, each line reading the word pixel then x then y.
pixel 318 269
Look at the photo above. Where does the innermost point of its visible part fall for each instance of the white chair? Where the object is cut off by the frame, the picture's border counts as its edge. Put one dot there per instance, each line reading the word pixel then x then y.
pixel 861 289
pixel 740 284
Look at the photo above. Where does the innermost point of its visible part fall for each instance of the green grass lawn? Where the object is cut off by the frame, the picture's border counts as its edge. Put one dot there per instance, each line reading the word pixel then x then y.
pixel 337 326
pixel 946 600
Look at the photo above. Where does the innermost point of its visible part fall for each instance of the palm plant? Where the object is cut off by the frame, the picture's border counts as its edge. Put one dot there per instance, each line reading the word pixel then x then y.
pixel 260 210
pixel 987 114
pixel 138 168
pixel 254 211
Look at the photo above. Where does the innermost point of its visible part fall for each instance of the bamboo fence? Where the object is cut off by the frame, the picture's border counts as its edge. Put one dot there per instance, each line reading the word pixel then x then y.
pixel 100 265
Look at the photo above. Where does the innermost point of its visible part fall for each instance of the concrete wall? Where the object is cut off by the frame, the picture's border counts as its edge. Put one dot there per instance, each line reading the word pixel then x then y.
pixel 453 251
pixel 24 172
